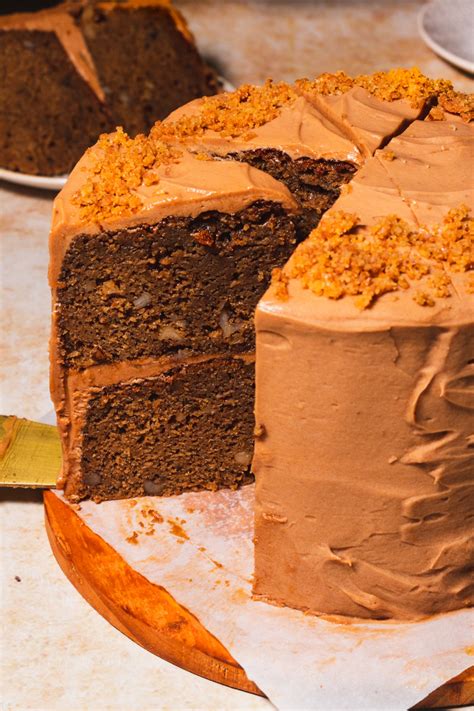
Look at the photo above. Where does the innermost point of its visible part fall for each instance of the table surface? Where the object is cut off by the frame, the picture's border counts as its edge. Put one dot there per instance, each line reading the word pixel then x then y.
pixel 57 652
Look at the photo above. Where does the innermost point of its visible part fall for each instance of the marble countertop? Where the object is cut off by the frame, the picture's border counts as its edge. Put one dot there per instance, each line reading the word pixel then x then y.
pixel 56 651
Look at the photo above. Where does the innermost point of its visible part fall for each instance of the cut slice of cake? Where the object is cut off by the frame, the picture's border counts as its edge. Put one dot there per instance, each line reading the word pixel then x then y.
pixel 73 71
pixel 365 353
pixel 51 103
pixel 159 258
pixel 146 60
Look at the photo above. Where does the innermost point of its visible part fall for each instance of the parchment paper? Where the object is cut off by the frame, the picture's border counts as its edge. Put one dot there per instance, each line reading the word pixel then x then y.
pixel 199 547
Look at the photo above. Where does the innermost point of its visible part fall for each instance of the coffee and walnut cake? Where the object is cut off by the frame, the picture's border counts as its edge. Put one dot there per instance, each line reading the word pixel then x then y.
pixel 73 71
pixel 340 208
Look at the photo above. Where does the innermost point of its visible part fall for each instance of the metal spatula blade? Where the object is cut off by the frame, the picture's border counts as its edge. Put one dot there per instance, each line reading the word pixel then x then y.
pixel 30 453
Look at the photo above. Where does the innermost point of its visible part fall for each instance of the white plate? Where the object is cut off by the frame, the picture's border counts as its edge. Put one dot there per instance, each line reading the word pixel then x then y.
pixel 447 26
pixel 33 181
pixel 58 181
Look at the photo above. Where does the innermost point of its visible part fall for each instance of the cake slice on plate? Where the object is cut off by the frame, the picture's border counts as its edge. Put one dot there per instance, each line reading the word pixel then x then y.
pixel 71 72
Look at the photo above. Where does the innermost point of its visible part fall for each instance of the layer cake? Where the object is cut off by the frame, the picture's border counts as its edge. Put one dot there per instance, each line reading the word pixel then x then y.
pixel 161 248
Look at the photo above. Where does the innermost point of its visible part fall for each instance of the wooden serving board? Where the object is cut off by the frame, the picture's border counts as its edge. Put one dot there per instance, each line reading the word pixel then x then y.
pixel 150 616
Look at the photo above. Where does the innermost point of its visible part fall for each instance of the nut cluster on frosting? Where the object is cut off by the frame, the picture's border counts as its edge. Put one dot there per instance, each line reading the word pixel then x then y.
pixel 409 84
pixel 231 114
pixel 122 164
pixel 341 257
pixel 453 102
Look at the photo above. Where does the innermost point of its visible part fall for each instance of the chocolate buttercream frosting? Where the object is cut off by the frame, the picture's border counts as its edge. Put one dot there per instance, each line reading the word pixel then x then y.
pixel 364 457
pixel 333 117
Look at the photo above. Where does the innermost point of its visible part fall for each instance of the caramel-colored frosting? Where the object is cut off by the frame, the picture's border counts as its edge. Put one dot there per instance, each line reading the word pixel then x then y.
pixel 60 21
pixel 299 130
pixel 364 457
pixel 348 122
pixel 182 185
pixel 363 467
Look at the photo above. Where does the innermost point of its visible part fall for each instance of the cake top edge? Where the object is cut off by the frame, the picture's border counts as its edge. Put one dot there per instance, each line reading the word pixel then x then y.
pixel 343 257
pixel 392 85
pixel 235 114
pixel 122 182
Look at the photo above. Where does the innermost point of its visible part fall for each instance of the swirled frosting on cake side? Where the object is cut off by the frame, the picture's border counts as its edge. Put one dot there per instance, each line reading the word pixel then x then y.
pixel 365 364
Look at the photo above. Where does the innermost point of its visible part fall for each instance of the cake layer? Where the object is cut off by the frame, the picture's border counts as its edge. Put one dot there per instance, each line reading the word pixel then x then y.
pixel 179 427
pixel 181 267
pixel 184 285
pixel 315 184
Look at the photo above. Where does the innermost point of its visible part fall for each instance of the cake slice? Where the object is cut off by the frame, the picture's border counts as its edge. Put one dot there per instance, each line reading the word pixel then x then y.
pixel 364 457
pixel 52 106
pixel 73 71
pixel 158 260
pixel 146 60
pixel 312 135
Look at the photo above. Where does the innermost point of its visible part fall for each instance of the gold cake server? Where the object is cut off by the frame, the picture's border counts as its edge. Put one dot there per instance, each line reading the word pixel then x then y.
pixel 30 453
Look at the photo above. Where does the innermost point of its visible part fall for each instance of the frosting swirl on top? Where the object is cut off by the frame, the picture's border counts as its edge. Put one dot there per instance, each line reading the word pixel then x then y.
pixel 332 117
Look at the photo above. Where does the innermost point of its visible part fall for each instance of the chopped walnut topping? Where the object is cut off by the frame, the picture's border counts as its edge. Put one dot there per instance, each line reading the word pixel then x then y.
pixel 231 114
pixel 423 298
pixel 409 84
pixel 122 165
pixel 455 102
pixel 341 257
pixel 280 280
